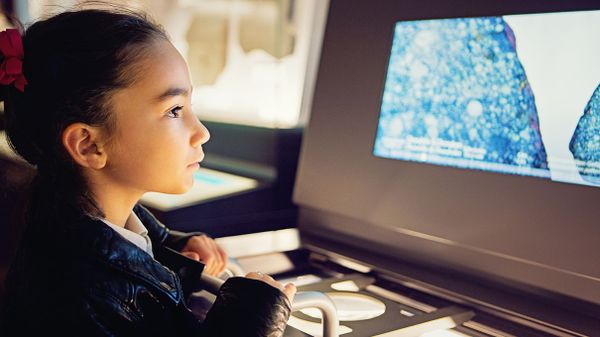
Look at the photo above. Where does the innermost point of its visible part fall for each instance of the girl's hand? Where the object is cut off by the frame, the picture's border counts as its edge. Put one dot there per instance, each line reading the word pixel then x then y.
pixel 289 289
pixel 205 249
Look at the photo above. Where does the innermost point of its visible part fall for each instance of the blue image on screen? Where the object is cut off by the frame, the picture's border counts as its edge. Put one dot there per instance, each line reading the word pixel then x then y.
pixel 456 94
pixel 585 143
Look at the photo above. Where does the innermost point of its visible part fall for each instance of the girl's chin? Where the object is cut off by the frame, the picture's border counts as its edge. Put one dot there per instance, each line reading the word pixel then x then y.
pixel 184 189
pixel 176 187
pixel 179 189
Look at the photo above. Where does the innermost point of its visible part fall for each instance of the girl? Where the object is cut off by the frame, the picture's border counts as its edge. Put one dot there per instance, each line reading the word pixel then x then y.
pixel 99 101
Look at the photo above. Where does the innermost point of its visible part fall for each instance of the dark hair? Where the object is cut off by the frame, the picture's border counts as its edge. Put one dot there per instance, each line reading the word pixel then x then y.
pixel 73 62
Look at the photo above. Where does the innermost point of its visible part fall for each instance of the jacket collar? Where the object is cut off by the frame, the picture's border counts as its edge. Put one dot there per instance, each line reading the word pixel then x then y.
pixel 96 240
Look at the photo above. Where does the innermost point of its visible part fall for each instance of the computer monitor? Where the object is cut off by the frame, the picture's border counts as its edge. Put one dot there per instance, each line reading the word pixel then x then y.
pixel 462 134
pixel 516 94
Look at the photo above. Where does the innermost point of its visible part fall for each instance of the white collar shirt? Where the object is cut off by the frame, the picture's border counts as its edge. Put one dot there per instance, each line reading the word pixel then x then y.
pixel 134 231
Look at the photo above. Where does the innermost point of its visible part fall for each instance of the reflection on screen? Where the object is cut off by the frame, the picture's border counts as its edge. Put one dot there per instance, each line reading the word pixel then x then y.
pixel 515 94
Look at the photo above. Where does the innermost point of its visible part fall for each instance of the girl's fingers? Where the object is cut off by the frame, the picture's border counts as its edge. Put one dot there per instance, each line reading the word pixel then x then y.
pixel 289 289
pixel 192 255
pixel 223 257
pixel 263 277
pixel 210 265
pixel 209 252
pixel 215 265
pixel 220 263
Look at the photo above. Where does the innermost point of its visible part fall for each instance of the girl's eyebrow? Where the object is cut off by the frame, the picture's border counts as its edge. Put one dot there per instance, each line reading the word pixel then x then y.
pixel 174 91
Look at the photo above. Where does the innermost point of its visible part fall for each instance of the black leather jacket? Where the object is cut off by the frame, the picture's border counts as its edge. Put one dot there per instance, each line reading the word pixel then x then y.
pixel 87 280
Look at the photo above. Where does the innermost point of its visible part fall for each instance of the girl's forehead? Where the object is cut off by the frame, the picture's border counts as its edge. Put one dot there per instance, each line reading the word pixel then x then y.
pixel 160 74
pixel 162 68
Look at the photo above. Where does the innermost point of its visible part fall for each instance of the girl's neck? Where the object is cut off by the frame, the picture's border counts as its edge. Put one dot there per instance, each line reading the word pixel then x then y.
pixel 116 201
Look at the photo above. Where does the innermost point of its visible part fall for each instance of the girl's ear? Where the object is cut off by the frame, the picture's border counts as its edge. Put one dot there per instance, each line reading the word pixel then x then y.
pixel 84 144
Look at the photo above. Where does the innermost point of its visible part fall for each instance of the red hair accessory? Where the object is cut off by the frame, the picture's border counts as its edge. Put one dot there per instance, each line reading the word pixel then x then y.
pixel 11 69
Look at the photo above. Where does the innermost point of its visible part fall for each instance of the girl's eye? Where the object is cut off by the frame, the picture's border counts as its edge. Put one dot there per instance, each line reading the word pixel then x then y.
pixel 175 112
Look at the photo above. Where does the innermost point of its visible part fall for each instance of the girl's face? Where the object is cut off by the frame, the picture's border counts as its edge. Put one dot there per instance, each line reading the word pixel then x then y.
pixel 157 143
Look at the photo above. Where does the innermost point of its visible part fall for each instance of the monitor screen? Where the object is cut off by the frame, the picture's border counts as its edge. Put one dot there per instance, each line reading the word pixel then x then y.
pixel 514 94
pixel 460 134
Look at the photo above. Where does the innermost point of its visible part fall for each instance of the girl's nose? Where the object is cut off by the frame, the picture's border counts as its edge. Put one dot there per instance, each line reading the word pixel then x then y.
pixel 200 134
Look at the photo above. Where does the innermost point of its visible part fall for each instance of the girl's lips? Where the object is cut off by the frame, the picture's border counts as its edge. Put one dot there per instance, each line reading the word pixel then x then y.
pixel 196 163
